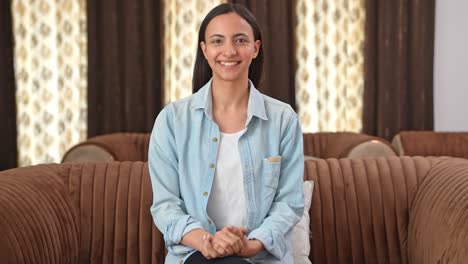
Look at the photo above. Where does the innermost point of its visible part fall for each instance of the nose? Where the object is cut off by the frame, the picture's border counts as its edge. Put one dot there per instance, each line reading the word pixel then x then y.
pixel 230 49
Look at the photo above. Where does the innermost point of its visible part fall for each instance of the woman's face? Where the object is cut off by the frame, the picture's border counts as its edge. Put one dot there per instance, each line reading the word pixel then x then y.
pixel 229 47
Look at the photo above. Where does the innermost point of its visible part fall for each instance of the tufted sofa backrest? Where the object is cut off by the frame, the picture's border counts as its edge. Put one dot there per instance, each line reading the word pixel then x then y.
pixel 361 208
pixel 78 213
pixel 430 143
pixel 110 147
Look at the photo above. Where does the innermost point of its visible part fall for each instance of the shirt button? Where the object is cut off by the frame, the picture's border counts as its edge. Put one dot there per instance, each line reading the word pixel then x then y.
pixel 205 193
pixel 215 139
pixel 211 165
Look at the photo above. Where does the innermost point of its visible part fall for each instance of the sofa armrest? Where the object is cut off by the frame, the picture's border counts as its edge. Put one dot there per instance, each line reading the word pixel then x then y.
pixel 37 223
pixel 438 227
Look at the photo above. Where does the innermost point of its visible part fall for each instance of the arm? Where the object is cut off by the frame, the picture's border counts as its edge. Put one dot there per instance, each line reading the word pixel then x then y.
pixel 195 239
pixel 168 208
pixel 251 248
pixel 288 204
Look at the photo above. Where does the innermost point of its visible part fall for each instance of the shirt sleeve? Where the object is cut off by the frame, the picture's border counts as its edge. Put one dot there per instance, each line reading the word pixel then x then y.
pixel 168 209
pixel 288 204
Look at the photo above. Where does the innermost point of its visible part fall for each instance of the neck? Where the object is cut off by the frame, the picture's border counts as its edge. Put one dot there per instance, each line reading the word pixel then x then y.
pixel 230 95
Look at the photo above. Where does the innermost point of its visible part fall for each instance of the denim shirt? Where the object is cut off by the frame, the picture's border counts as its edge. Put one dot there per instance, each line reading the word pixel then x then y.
pixel 182 160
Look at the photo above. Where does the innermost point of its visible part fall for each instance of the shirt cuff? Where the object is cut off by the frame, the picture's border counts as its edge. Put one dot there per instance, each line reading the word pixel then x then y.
pixel 273 242
pixel 176 229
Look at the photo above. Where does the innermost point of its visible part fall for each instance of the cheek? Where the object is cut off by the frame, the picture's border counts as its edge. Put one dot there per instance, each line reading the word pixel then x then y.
pixel 210 55
pixel 250 52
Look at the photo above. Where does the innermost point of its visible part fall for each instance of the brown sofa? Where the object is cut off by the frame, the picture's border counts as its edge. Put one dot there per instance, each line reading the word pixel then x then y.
pixel 376 210
pixel 430 143
pixel 134 147
pixel 110 147
pixel 345 145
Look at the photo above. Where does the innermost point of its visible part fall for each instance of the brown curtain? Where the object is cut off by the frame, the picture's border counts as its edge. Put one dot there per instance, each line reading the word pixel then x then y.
pixel 399 48
pixel 276 21
pixel 8 149
pixel 124 65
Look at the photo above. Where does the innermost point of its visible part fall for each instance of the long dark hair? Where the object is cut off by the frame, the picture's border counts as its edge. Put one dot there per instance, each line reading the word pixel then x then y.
pixel 202 71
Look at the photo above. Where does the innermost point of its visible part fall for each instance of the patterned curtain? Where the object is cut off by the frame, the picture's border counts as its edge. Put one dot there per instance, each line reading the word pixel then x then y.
pixel 329 75
pixel 50 69
pixel 181 22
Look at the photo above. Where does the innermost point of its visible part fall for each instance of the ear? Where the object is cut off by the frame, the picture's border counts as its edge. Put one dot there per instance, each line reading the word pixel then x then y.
pixel 203 48
pixel 257 46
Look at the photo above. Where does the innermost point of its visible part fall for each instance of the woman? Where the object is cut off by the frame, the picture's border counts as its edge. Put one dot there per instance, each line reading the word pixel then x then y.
pixel 226 163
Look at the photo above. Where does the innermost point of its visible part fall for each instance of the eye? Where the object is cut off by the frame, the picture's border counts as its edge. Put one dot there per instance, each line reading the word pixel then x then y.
pixel 242 41
pixel 216 41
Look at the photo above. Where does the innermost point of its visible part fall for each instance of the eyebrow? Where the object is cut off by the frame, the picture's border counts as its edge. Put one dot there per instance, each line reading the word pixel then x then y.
pixel 221 36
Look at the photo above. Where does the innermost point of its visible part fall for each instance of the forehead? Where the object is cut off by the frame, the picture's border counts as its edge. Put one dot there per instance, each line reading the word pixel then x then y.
pixel 228 24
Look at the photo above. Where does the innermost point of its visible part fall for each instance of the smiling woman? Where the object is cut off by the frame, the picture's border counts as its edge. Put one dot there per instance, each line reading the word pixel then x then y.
pixel 226 163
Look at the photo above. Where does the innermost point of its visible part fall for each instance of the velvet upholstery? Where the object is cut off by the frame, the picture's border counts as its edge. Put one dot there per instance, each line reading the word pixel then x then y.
pixel 78 213
pixel 111 147
pixel 360 208
pixel 430 143
pixel 134 147
pixel 374 210
pixel 439 216
pixel 340 144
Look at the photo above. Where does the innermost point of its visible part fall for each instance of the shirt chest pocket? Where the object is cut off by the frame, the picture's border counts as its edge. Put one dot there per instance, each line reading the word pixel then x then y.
pixel 271 171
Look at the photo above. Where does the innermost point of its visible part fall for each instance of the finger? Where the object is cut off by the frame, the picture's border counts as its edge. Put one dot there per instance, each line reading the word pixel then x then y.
pixel 221 249
pixel 244 230
pixel 208 251
pixel 238 237
pixel 214 249
pixel 237 231
pixel 222 245
pixel 204 249
pixel 232 239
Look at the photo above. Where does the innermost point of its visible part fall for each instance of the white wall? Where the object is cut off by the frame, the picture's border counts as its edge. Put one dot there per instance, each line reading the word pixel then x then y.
pixel 451 66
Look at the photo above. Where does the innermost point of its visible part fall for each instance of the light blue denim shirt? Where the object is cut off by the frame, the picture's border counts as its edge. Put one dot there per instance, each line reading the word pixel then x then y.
pixel 182 160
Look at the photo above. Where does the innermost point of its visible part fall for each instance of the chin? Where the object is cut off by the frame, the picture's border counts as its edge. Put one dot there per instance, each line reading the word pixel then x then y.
pixel 229 78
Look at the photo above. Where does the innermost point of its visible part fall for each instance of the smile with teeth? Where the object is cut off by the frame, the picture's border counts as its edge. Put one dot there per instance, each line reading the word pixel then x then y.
pixel 229 63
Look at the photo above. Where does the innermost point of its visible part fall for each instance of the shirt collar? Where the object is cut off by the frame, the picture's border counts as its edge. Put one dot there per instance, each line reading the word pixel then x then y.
pixel 256 104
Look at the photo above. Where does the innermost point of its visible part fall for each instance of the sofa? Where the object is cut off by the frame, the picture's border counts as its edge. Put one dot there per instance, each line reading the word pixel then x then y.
pixel 134 147
pixel 431 143
pixel 110 147
pixel 373 210
pixel 326 145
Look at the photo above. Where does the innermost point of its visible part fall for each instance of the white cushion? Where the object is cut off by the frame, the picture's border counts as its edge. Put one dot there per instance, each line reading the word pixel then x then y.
pixel 299 235
pixel 371 148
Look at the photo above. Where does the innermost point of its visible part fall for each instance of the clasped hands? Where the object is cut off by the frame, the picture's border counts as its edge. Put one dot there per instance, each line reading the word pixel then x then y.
pixel 228 242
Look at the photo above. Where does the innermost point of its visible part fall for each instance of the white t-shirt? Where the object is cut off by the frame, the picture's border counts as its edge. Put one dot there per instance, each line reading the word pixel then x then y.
pixel 226 205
